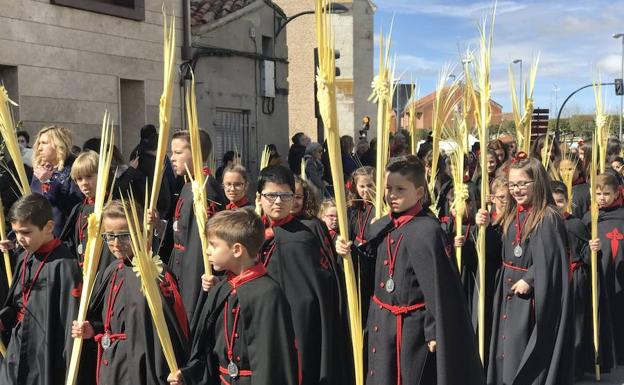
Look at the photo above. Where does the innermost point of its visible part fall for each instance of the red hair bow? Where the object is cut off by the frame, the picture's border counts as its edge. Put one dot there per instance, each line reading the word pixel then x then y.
pixel 521 155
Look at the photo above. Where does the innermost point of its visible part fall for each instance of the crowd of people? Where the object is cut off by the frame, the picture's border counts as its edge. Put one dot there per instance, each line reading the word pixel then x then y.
pixel 275 309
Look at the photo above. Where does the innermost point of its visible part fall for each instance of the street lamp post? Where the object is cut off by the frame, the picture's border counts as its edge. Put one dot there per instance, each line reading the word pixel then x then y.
pixel 333 8
pixel 618 36
pixel 556 90
pixel 521 85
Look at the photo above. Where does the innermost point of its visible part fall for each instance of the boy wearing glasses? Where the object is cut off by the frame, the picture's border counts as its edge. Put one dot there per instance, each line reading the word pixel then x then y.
pixel 293 257
pixel 42 300
pixel 119 319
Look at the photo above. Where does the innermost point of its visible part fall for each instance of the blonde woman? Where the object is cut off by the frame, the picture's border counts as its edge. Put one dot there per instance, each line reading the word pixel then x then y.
pixel 52 160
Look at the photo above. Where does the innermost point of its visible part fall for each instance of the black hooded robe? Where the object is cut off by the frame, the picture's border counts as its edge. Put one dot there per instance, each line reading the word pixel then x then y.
pixel 294 259
pixel 264 342
pixel 532 335
pixel 611 233
pixel 38 338
pixel 580 259
pixel 135 354
pixel 427 303
pixel 186 261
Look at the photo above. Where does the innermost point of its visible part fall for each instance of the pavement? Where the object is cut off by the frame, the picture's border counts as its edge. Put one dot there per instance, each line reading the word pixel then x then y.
pixel 616 377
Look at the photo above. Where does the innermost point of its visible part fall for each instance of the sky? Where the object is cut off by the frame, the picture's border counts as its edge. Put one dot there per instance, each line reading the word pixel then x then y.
pixel 572 37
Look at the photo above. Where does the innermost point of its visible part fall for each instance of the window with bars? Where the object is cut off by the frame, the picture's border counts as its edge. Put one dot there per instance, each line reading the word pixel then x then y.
pixel 231 133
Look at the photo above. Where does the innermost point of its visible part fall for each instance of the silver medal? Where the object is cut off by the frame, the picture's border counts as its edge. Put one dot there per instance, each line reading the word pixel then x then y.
pixel 105 341
pixel 518 251
pixel 390 285
pixel 175 226
pixel 232 370
pixel 80 249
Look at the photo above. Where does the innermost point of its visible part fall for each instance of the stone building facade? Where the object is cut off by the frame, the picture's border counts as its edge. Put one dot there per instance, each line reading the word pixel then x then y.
pixel 67 61
pixel 66 66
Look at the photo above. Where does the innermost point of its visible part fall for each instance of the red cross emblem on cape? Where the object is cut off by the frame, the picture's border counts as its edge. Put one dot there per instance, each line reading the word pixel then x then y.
pixel 615 236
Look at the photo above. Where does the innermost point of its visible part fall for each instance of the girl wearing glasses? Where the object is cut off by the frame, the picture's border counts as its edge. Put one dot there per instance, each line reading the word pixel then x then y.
pixel 235 187
pixel 119 320
pixel 532 325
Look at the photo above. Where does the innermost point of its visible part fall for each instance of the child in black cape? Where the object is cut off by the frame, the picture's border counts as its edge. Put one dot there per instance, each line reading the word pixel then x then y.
pixel 361 213
pixel 581 246
pixel 611 232
pixel 294 258
pixel 328 213
pixel 186 261
pixel 305 208
pixel 84 173
pixel 493 252
pixel 235 185
pixel 119 318
pixel 419 329
pixel 581 198
pixel 43 299
pixel 532 340
pixel 466 241
pixel 244 332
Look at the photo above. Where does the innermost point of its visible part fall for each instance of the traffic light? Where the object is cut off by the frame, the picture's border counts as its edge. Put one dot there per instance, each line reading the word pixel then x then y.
pixel 619 87
pixel 317 113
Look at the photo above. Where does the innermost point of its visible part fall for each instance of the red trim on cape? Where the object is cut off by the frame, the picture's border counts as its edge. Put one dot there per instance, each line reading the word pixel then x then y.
pixel 256 271
pixel 238 204
pixel 406 216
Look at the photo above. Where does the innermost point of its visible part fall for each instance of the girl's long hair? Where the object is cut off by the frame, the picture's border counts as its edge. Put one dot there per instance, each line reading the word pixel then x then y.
pixel 542 202
pixel 353 198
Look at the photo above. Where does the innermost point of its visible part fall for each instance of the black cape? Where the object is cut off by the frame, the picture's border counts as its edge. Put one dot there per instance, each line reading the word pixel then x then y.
pixel 71 236
pixel 581 199
pixel 186 261
pixel 532 336
pixel 493 253
pixel 139 358
pixel 305 275
pixel 423 273
pixel 611 233
pixel 265 343
pixel 580 258
pixel 39 347
pixel 360 217
pixel 469 259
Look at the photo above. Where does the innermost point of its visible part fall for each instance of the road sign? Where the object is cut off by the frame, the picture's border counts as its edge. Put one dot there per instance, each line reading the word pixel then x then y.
pixel 619 87
pixel 539 121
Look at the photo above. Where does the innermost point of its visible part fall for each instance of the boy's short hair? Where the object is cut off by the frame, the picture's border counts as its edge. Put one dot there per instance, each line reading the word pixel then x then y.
pixel 238 226
pixel 278 175
pixel 559 187
pixel 413 169
pixel 607 180
pixel 86 164
pixel 114 209
pixel 33 208
pixel 204 139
